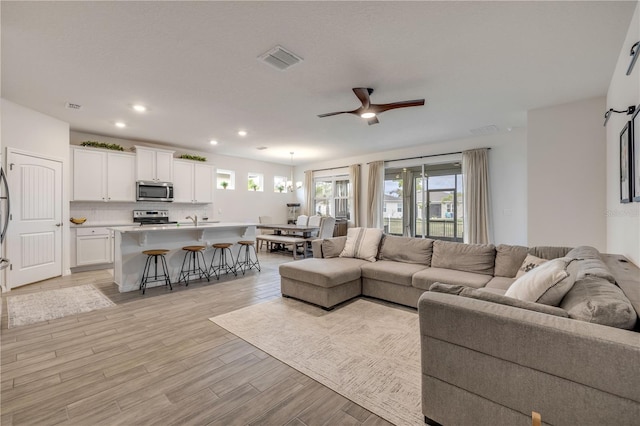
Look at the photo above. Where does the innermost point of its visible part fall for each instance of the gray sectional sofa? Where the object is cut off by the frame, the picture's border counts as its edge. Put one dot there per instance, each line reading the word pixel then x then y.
pixel 488 359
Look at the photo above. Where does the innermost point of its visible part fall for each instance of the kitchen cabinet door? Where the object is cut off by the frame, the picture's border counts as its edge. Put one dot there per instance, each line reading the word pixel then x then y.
pixel 182 181
pixel 121 179
pixel 155 165
pixel 203 178
pixel 89 175
pixel 93 246
pixel 164 166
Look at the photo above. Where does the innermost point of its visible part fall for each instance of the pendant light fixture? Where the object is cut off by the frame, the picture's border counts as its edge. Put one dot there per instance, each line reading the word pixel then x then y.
pixel 290 181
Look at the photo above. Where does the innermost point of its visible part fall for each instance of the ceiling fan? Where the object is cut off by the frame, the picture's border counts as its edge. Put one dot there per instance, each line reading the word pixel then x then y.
pixel 370 111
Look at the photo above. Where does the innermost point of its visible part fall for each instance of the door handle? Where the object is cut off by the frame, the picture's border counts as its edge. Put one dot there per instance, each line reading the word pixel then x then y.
pixel 58 224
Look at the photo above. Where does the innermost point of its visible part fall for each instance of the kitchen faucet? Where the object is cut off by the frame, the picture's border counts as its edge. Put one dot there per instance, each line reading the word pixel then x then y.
pixel 194 219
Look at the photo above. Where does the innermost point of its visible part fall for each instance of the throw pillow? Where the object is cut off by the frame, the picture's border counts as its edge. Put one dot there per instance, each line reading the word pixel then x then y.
pixel 332 247
pixel 530 262
pixel 362 243
pixel 547 283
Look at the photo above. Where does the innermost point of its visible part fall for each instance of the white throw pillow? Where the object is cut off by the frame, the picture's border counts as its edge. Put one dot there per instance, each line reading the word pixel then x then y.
pixel 362 243
pixel 530 262
pixel 547 283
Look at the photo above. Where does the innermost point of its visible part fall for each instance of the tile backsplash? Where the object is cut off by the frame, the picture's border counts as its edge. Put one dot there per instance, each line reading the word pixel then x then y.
pixel 98 213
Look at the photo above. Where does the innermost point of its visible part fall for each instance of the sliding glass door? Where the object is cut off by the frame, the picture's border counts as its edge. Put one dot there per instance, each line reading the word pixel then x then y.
pixel 424 201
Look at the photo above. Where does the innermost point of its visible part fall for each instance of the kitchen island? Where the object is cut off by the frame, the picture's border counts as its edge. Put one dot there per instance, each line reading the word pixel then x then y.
pixel 131 241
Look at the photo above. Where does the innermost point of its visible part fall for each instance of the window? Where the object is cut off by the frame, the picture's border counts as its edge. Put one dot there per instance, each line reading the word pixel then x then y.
pixel 333 196
pixel 255 182
pixel 424 200
pixel 225 179
pixel 280 184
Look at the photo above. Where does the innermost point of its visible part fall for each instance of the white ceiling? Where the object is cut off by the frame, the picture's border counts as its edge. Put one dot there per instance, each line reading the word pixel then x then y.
pixel 194 65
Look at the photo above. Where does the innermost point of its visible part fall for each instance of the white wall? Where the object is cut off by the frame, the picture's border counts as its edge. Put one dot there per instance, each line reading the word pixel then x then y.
pixel 31 131
pixel 238 205
pixel 566 174
pixel 507 175
pixel 622 220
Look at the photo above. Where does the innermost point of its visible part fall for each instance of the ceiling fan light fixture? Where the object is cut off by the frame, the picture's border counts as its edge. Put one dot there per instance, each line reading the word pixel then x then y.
pixel 368 114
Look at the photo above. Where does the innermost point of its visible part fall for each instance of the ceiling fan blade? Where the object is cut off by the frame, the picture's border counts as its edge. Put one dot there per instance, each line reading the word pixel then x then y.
pixel 329 114
pixel 363 94
pixel 372 120
pixel 378 108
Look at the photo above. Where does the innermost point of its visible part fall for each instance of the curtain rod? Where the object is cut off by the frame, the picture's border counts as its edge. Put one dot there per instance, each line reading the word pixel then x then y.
pixel 425 156
pixel 329 168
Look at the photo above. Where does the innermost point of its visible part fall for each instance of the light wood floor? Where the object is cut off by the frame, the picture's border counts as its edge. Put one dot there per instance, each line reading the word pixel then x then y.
pixel 157 359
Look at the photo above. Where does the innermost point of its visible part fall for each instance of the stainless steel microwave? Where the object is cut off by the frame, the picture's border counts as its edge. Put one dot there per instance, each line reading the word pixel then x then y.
pixel 154 191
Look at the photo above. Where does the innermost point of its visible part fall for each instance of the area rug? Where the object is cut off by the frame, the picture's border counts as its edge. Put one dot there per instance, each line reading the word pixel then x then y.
pixel 42 306
pixel 366 351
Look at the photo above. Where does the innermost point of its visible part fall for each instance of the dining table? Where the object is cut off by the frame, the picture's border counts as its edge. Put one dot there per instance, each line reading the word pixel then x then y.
pixel 303 230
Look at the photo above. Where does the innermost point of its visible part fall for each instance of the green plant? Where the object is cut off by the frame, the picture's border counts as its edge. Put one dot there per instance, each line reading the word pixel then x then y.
pixel 224 184
pixel 96 144
pixel 280 188
pixel 193 157
pixel 254 186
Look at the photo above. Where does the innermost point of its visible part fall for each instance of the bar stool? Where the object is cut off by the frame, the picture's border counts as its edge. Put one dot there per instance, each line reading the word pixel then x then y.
pixel 247 262
pixel 155 254
pixel 223 265
pixel 192 261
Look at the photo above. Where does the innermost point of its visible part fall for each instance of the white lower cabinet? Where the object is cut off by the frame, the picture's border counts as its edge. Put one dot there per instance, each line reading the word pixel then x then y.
pixel 93 246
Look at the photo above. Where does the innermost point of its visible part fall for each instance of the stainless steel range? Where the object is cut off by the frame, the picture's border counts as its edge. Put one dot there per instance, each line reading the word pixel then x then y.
pixel 151 217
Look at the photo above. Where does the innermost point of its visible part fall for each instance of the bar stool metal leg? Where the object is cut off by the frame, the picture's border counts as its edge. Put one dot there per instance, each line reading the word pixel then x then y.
pixel 247 262
pixel 193 264
pixel 146 273
pixel 223 265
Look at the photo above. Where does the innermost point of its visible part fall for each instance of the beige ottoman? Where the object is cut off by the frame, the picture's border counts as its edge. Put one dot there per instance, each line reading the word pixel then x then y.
pixel 323 282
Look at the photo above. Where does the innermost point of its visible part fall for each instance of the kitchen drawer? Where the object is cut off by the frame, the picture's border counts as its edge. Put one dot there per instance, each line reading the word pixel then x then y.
pixel 84 232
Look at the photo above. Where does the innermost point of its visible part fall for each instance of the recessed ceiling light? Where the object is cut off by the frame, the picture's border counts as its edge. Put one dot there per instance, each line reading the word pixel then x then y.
pixel 213 142
pixel 242 133
pixel 140 108
pixel 261 148
pixel 368 115
pixel 120 124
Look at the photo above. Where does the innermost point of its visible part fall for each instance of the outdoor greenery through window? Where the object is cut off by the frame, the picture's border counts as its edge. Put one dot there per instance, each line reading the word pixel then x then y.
pixel 255 182
pixel 333 197
pixel 424 200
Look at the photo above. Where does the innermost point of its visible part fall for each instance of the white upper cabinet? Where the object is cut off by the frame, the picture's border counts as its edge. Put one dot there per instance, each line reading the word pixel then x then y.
pixel 193 182
pixel 100 175
pixel 154 165
pixel 121 176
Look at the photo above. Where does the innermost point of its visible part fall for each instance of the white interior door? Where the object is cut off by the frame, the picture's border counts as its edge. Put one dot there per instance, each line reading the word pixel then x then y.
pixel 34 235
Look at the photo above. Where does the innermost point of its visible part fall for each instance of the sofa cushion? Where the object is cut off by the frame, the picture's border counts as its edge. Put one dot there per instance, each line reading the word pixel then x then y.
pixel 549 252
pixel 489 296
pixel 362 243
pixel 594 299
pixel 323 272
pixel 591 263
pixel 406 249
pixel 393 272
pixel 547 284
pixel 475 258
pixel 508 260
pixel 332 247
pixel 501 283
pixel 530 262
pixel 423 279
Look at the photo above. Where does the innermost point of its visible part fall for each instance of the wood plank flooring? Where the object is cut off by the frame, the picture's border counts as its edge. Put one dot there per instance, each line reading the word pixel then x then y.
pixel 157 360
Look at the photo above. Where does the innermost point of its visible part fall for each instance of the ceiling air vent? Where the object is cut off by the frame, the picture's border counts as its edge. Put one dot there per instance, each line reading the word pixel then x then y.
pixel 70 105
pixel 280 58
pixel 486 130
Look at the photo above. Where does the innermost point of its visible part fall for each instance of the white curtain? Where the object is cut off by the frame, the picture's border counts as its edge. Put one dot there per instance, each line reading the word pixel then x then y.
pixel 375 194
pixel 475 175
pixel 309 192
pixel 354 177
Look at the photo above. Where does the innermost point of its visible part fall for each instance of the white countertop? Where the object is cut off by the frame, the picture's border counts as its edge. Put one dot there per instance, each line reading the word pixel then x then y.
pixel 181 227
